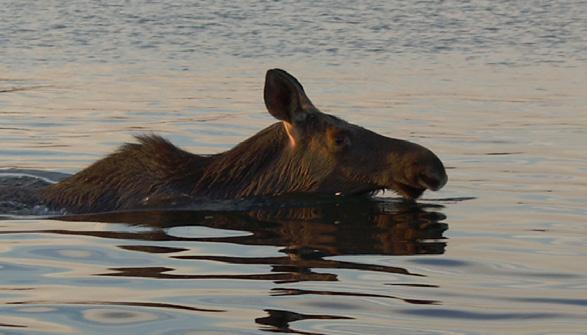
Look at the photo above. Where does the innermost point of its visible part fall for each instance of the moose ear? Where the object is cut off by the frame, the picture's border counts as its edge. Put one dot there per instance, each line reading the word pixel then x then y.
pixel 284 96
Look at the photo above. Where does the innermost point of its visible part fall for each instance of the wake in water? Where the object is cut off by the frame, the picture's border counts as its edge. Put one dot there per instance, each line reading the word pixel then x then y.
pixel 19 192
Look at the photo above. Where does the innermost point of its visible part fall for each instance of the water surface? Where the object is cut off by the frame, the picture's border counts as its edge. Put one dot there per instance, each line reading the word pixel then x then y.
pixel 495 88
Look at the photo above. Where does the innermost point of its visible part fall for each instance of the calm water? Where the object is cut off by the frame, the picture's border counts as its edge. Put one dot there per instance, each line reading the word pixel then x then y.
pixel 496 88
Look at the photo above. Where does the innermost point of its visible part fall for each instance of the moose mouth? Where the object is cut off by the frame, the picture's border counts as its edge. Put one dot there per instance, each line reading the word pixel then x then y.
pixel 404 190
pixel 407 191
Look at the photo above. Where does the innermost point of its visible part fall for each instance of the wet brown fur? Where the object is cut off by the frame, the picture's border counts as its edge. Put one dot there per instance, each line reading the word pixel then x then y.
pixel 154 173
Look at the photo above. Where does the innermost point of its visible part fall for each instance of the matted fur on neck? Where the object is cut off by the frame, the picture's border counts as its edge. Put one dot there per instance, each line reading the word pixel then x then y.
pixel 264 164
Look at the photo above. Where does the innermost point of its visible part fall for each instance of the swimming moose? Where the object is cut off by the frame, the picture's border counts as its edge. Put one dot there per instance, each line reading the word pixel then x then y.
pixel 306 152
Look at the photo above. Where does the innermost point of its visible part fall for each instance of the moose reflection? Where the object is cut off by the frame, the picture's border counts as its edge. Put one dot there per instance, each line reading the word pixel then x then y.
pixel 307 237
pixel 302 239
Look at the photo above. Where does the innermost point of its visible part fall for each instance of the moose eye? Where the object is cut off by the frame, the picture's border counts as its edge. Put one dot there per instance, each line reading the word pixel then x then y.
pixel 338 139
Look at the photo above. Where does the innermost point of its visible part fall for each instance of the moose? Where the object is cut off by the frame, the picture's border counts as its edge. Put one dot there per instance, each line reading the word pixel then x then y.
pixel 306 152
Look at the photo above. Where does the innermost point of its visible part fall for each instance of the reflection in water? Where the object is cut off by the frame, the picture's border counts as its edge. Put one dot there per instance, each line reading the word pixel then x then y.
pixel 7 325
pixel 278 321
pixel 121 303
pixel 307 236
pixel 286 291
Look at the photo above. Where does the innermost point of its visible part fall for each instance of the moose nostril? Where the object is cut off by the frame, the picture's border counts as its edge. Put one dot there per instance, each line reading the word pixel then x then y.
pixel 433 180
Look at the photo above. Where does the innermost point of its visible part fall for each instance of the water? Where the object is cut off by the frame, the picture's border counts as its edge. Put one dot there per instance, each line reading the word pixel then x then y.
pixel 495 88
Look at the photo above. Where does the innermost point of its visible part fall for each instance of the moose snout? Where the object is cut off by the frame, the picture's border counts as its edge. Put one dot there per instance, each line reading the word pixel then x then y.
pixel 429 172
pixel 414 169
pixel 432 178
pixel 422 169
pixel 417 171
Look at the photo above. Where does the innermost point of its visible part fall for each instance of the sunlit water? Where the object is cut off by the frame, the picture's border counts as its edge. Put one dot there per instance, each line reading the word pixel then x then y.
pixel 496 88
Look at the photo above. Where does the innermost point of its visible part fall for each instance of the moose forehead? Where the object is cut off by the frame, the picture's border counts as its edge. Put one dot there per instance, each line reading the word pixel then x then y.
pixel 319 120
pixel 311 123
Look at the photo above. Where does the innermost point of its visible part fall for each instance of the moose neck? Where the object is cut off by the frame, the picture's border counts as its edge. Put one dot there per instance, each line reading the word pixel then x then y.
pixel 264 164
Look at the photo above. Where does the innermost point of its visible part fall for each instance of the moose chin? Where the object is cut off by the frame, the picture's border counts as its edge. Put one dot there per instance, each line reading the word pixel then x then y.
pixel 306 152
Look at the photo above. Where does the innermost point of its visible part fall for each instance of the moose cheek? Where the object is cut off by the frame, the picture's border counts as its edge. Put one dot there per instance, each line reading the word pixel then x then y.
pixel 336 148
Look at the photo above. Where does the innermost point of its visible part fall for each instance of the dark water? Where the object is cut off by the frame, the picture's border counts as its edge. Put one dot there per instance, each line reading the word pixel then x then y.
pixel 496 88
